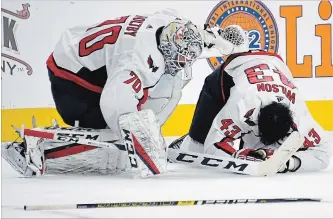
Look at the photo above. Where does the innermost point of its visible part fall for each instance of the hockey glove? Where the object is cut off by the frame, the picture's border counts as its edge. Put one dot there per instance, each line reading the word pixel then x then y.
pixel 292 165
pixel 253 155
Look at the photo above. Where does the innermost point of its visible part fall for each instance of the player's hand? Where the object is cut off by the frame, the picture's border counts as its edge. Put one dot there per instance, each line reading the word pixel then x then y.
pixel 291 165
pixel 253 155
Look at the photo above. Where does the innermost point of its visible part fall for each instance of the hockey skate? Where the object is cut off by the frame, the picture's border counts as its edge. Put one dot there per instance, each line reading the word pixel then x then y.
pixel 176 145
pixel 26 162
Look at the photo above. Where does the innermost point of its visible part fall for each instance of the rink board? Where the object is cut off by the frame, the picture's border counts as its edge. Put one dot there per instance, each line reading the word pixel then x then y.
pixel 177 125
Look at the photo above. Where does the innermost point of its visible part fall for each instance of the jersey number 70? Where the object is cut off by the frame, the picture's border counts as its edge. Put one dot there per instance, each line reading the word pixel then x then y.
pixel 87 46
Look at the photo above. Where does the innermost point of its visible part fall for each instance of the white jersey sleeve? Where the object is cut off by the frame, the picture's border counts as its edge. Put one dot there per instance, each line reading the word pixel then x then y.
pixel 234 121
pixel 221 136
pixel 164 97
pixel 137 70
pixel 317 147
pixel 121 95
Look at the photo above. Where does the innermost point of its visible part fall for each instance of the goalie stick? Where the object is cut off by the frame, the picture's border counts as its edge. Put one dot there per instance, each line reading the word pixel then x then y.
pixel 170 203
pixel 230 164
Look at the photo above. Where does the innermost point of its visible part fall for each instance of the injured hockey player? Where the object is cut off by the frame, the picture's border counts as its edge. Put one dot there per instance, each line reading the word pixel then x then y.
pixel 253 99
pixel 119 80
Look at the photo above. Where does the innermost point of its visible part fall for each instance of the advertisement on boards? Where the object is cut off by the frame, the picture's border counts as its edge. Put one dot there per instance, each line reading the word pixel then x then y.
pixel 299 31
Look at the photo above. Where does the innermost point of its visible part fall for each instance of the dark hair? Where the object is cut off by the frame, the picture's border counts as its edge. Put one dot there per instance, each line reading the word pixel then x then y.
pixel 274 122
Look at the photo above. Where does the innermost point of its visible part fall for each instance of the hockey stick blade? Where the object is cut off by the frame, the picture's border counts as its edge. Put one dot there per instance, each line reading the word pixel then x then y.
pixel 171 203
pixel 234 165
pixel 223 164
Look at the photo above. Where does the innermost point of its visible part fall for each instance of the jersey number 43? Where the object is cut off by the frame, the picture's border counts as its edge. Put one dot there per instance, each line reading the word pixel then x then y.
pixel 256 75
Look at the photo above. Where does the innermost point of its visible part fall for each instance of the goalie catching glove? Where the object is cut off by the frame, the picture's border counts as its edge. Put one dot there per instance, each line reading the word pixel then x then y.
pixel 226 41
pixel 263 154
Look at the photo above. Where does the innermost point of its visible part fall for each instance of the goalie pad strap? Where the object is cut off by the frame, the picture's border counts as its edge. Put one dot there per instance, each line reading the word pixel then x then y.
pixel 67 150
pixel 39 134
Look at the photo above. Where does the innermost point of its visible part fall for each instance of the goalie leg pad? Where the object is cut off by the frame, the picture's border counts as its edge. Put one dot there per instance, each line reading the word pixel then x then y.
pixel 144 143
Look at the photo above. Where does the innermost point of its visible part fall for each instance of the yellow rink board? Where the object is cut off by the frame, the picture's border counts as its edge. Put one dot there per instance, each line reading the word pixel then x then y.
pixel 178 124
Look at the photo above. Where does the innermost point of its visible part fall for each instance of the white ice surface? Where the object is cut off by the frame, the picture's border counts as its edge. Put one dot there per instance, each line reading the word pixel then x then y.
pixel 181 183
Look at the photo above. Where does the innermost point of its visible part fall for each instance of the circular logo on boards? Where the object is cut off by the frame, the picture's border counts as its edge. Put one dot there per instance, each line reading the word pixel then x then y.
pixel 254 17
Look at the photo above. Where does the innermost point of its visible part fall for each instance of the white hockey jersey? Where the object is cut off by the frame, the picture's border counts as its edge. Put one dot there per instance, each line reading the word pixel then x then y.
pixel 90 55
pixel 119 59
pixel 261 78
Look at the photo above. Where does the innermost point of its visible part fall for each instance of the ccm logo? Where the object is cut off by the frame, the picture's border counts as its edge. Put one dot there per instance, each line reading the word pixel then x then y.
pixel 75 137
pixel 130 147
pixel 212 162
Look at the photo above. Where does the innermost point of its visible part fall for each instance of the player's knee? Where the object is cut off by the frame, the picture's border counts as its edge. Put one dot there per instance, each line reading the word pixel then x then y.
pixel 67 116
pixel 68 121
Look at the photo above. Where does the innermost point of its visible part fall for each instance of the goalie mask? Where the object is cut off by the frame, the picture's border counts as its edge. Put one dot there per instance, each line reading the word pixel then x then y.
pixel 181 45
